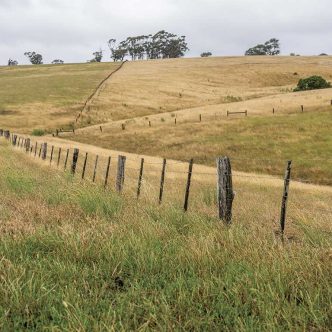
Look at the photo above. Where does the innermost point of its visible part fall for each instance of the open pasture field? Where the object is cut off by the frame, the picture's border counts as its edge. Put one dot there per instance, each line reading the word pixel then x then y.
pixel 47 96
pixel 149 87
pixel 75 256
pixel 260 144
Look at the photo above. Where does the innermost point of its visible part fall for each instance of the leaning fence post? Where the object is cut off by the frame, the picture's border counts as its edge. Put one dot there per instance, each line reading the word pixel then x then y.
pixel 40 150
pixel 107 171
pixel 186 197
pixel 59 156
pixel 36 149
pixel 51 157
pixel 139 185
pixel 225 189
pixel 84 165
pixel 95 169
pixel 66 160
pixel 285 197
pixel 162 181
pixel 121 173
pixel 74 162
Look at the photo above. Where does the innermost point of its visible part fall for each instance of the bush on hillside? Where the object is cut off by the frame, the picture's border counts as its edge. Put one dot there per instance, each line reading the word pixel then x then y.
pixel 312 83
pixel 38 132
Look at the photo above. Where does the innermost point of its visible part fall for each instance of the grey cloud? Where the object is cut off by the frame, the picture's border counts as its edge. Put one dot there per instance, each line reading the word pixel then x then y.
pixel 72 30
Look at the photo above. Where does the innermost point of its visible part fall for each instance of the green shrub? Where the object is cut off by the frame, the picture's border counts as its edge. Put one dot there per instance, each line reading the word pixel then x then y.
pixel 38 132
pixel 312 83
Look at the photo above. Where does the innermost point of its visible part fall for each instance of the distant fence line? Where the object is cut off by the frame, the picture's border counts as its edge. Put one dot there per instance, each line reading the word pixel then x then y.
pixel 224 176
pixel 177 119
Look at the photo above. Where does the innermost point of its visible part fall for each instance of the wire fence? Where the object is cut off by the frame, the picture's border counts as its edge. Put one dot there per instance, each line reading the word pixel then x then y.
pixel 194 187
pixel 177 118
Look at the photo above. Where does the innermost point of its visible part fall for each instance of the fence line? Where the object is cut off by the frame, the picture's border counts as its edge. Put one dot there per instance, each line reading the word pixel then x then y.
pixel 186 119
pixel 222 177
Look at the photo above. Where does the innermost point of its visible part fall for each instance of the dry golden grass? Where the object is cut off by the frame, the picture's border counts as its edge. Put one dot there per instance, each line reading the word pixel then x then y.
pixel 150 87
pixel 47 96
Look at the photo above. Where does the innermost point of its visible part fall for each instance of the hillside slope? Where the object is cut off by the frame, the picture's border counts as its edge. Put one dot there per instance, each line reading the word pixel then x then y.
pixel 78 257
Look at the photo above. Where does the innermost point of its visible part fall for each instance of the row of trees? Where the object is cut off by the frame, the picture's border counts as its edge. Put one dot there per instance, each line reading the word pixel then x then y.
pixel 161 45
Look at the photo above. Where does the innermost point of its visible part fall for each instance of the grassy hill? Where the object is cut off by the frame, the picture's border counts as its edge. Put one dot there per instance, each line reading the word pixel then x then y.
pixel 78 257
pixel 47 96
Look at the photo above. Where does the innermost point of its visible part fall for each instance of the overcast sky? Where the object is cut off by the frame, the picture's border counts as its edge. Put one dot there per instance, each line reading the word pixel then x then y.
pixel 72 29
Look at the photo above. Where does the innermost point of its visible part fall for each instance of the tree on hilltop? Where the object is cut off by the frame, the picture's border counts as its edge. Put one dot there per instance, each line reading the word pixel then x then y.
pixel 12 62
pixel 35 58
pixel 271 47
pixel 206 54
pixel 98 55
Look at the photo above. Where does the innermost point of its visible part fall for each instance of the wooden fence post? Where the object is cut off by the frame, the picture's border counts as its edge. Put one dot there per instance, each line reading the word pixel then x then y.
pixel 66 160
pixel 175 121
pixel 40 150
pixel 149 123
pixel 14 141
pixel 162 181
pixel 84 165
pixel 95 169
pixel 140 177
pixel 27 145
pixel 121 173
pixel 225 189
pixel 74 162
pixel 52 151
pixel 302 108
pixel 107 171
pixel 44 151
pixel 36 145
pixel 273 110
pixel 123 126
pixel 200 118
pixel 186 197
pixel 59 156
pixel 285 197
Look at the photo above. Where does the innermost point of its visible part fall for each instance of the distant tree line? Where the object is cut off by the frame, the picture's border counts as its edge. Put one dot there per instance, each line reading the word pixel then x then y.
pixel 271 47
pixel 161 45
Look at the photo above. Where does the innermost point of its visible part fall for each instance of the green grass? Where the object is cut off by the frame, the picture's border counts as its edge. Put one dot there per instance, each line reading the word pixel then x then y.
pixel 254 144
pixel 76 257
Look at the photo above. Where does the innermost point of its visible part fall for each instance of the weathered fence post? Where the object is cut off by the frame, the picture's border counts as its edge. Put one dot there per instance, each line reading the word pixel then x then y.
pixel 27 145
pixel 162 181
pixel 44 151
pixel 273 110
pixel 107 171
pixel 121 173
pixel 6 133
pixel 84 165
pixel 149 123
pixel 14 140
pixel 36 149
pixel 285 197
pixel 140 177
pixel 123 126
pixel 40 150
pixel 175 121
pixel 95 169
pixel 1 132
pixel 186 197
pixel 302 108
pixel 200 118
pixel 51 157
pixel 59 156
pixel 66 160
pixel 225 189
pixel 74 162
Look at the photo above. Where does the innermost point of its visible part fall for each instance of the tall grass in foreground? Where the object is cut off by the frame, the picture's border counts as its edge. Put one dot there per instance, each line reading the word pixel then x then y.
pixel 76 257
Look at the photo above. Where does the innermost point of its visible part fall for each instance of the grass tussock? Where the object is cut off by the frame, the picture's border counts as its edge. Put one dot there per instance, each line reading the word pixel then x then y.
pixel 77 257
